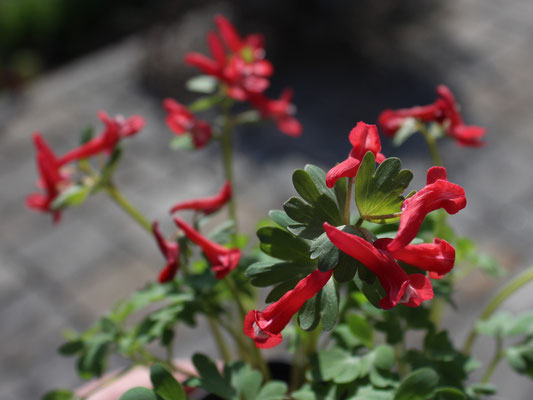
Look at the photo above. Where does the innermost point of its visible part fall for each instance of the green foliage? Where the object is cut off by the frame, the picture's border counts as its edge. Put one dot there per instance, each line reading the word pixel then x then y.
pixel 418 385
pixel 379 194
pixel 238 381
pixel 60 394
pixel 165 387
pixel 182 142
pixel 72 196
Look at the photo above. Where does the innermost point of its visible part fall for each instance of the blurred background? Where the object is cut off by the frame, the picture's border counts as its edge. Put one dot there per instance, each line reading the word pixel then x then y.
pixel 61 61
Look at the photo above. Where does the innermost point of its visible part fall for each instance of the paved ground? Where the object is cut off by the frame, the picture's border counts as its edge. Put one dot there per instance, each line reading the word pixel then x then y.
pixel 52 278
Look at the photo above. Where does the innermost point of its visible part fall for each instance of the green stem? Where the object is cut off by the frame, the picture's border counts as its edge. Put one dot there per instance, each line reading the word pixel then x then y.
pixel 119 198
pixel 347 202
pixel 498 355
pixel 108 381
pixel 496 302
pixel 432 145
pixel 219 339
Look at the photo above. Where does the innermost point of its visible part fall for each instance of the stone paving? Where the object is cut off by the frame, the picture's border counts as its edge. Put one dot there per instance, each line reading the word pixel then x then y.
pixel 57 277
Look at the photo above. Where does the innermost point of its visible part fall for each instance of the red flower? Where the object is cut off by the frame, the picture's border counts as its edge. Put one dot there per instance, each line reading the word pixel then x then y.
pixel 438 257
pixel 444 110
pixel 207 205
pixel 265 327
pixel 181 121
pixel 464 134
pixel 115 129
pixel 222 259
pixel 244 70
pixel 391 120
pixel 438 193
pixel 363 138
pixel 280 110
pixel 51 179
pixel 170 251
pixel 410 290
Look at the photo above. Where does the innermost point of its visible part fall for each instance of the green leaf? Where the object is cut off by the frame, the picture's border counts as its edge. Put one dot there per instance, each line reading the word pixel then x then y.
pixel 87 134
pixel 369 393
pixel 281 244
pixel 165 385
pixel 210 379
pixel 373 292
pixel 278 291
pixel 361 329
pixel 327 364
pixel 281 218
pixel 299 210
pixel 273 390
pixel 520 358
pixel 182 142
pixel 139 393
pixel 378 195
pixel 418 385
pixel 72 196
pixel 439 347
pixel 246 380
pixel 71 347
pixel 60 394
pixel 309 315
pixel 407 129
pixel 205 103
pixel 329 305
pixel 271 272
pixel 326 252
pixel 448 393
pixel 205 84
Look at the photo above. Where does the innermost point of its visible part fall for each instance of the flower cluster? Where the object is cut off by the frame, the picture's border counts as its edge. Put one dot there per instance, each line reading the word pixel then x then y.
pixel 444 110
pixel 222 259
pixel 240 65
pixel 53 169
pixel 381 256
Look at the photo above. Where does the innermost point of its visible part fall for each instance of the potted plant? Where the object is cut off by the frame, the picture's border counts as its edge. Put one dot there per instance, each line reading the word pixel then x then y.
pixel 354 259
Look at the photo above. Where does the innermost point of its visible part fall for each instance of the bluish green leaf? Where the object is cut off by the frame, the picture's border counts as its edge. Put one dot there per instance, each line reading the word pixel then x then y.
pixel 205 84
pixel 361 329
pixel 329 305
pixel 140 393
pixel 165 385
pixel 418 385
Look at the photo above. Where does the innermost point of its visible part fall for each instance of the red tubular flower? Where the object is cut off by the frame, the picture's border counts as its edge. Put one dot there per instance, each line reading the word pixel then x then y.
pixel 170 251
pixel 265 327
pixel 363 138
pixel 438 193
pixel 280 110
pixel 464 134
pixel 438 257
pixel 391 120
pixel 244 70
pixel 222 259
pixel 181 121
pixel 410 290
pixel 51 179
pixel 445 109
pixel 115 129
pixel 207 205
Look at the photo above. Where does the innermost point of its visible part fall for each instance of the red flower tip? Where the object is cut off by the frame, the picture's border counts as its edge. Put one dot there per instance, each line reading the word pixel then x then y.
pixel 265 327
pixel 229 33
pixel 170 251
pixel 364 138
pixel 51 179
pixel 438 193
pixel 280 110
pixel 207 205
pixel 222 259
